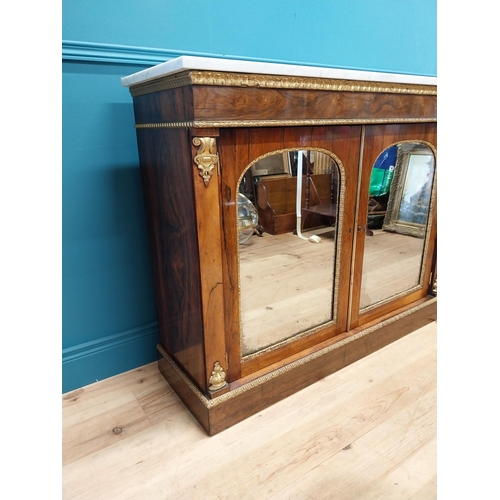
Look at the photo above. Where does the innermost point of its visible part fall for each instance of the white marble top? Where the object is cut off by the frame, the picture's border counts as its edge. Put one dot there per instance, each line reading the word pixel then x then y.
pixel 234 66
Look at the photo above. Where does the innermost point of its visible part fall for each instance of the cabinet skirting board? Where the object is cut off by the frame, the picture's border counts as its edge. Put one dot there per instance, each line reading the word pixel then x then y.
pixel 292 375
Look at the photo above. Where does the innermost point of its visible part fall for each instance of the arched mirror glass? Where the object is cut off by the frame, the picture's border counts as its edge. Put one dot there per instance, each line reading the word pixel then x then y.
pixel 287 229
pixel 399 206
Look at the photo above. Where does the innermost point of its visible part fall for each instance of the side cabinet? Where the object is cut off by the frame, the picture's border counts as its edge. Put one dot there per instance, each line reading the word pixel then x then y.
pixel 249 315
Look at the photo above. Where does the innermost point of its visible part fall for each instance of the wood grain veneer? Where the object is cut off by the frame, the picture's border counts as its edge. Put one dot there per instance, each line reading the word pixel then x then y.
pixel 230 103
pixel 173 242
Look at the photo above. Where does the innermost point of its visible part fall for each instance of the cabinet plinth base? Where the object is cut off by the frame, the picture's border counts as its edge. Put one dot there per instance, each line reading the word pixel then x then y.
pixel 244 400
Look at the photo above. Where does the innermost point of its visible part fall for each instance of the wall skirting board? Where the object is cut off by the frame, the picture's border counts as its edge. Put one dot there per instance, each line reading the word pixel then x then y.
pixel 81 363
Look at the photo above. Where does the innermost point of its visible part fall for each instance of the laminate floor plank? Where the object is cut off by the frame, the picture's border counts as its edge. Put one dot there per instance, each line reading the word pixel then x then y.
pixel 124 403
pixel 394 461
pixel 134 381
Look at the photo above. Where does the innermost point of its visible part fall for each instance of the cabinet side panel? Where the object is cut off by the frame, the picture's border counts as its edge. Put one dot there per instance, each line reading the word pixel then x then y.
pixel 167 178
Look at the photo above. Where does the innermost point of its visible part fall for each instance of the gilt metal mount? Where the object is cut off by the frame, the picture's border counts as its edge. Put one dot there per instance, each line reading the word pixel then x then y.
pixel 218 378
pixel 207 157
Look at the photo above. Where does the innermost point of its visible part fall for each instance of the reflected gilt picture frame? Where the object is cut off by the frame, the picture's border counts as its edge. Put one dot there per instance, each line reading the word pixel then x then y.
pixel 411 190
pixel 272 165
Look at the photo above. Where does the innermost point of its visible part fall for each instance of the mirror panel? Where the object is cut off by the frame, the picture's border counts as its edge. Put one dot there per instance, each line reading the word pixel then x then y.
pixel 399 206
pixel 287 265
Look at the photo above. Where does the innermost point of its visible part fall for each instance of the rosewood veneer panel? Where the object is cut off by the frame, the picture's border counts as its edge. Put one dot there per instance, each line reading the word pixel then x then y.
pixel 170 213
pixel 236 103
pixel 173 105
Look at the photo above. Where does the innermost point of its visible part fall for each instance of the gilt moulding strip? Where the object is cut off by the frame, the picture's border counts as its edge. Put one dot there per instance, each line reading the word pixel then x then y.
pixel 276 82
pixel 281 123
pixel 210 403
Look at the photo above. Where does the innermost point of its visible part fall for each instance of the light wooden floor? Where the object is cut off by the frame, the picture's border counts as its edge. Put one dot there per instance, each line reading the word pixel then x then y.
pixel 367 432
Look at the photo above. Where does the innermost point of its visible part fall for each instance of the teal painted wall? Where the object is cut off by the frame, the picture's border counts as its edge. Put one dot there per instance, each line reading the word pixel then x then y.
pixel 382 35
pixel 109 318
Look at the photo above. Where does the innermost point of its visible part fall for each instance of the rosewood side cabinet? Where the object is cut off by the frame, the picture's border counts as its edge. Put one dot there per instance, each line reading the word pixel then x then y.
pixel 247 317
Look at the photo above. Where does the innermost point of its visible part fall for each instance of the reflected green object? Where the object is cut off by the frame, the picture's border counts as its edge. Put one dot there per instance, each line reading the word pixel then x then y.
pixel 383 172
pixel 248 218
pixel 380 181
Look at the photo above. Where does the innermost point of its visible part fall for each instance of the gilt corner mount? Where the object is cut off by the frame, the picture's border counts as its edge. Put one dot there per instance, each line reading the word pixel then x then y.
pixel 206 158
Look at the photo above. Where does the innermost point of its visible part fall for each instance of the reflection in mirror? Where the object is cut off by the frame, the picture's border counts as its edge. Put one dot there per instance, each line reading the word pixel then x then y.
pixel 286 268
pixel 398 211
pixel 248 219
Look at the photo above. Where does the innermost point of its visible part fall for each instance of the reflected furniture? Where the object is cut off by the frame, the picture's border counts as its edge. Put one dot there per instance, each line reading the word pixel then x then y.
pixel 201 125
pixel 275 202
pixel 276 196
pixel 320 204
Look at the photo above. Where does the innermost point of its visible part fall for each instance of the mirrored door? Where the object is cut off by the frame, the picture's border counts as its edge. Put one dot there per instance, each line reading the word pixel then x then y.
pixel 287 283
pixel 287 266
pixel 394 243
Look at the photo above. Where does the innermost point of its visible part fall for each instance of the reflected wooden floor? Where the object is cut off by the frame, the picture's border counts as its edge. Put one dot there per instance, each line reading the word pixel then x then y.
pixel 367 432
pixel 391 265
pixel 286 283
pixel 286 286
